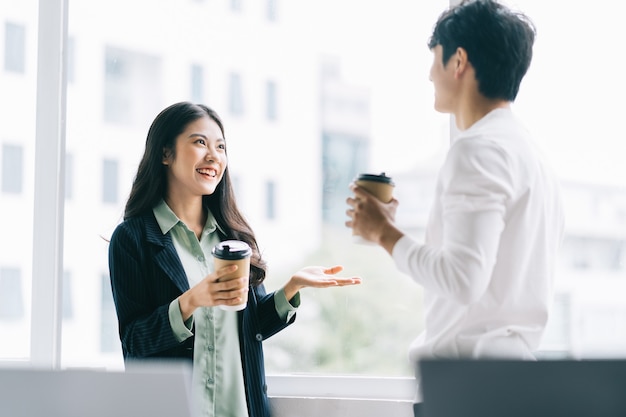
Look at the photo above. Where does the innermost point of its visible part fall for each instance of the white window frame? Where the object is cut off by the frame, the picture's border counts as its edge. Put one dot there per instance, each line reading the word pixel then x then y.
pixel 49 192
pixel 362 392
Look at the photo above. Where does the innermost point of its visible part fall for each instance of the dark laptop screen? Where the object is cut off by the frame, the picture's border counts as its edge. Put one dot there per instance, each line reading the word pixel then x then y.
pixel 507 388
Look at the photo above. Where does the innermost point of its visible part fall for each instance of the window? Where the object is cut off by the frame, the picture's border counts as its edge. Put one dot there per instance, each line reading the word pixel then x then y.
pixel 197 83
pixel 596 254
pixel 14 48
pixel 343 158
pixel 270 205
pixel 236 5
pixel 237 184
pixel 592 258
pixel 272 10
pixel 18 81
pixel 330 131
pixel 271 94
pixel 235 94
pixel 131 86
pixel 559 331
pixel 109 341
pixel 109 181
pixel 11 294
pixel 117 100
pixel 12 171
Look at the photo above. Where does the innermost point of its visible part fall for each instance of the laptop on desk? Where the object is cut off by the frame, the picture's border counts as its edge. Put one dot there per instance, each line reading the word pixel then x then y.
pixel 509 388
pixel 155 390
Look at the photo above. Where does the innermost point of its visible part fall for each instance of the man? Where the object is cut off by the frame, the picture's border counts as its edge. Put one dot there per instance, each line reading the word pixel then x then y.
pixel 488 259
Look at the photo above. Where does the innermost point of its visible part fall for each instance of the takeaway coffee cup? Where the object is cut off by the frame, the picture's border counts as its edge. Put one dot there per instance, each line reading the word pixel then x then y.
pixel 380 185
pixel 231 252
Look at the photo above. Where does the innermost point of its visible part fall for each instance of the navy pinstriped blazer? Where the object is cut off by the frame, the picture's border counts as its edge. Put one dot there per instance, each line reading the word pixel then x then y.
pixel 146 275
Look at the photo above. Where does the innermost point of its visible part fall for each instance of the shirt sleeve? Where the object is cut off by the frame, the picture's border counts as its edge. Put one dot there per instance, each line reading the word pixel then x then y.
pixel 286 308
pixel 474 187
pixel 181 329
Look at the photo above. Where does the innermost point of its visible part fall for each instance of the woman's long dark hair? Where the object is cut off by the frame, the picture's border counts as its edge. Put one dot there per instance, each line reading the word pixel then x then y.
pixel 150 184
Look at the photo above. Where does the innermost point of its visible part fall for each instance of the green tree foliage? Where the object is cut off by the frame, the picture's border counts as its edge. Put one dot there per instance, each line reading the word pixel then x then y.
pixel 364 329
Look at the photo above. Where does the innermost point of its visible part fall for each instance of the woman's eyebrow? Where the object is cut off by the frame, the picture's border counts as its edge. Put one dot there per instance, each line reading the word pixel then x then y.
pixel 192 135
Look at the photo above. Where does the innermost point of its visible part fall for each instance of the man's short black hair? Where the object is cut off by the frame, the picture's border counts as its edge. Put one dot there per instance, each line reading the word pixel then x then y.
pixel 498 41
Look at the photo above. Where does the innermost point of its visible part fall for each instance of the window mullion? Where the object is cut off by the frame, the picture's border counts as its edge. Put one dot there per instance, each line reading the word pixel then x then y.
pixel 49 184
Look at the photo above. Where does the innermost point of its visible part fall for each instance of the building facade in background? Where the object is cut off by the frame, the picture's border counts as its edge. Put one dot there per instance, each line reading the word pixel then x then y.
pixel 297 133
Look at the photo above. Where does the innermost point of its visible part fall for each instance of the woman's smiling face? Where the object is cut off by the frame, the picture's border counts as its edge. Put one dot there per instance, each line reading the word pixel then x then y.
pixel 199 161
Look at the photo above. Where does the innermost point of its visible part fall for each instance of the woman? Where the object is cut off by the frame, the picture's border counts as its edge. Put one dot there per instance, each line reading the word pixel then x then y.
pixel 165 289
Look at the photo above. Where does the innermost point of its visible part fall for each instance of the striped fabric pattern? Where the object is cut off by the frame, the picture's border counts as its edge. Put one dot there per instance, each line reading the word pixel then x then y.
pixel 146 275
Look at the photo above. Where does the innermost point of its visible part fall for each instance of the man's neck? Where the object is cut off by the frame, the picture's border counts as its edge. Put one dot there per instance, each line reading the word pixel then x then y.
pixel 474 110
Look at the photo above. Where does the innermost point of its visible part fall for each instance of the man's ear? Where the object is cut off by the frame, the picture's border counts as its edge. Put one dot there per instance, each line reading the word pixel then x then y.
pixel 461 61
pixel 167 153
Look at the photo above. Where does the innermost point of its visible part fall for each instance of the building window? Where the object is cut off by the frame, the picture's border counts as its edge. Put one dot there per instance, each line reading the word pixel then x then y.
pixel 12 162
pixel 117 101
pixel 270 200
pixel 131 92
pixel 236 5
pixel 272 10
pixel 197 83
pixel 108 320
pixel 11 294
pixel 14 48
pixel 343 157
pixel 237 187
pixel 316 342
pixel 271 100
pixel 109 181
pixel 593 253
pixel 235 94
pixel 69 176
pixel 558 335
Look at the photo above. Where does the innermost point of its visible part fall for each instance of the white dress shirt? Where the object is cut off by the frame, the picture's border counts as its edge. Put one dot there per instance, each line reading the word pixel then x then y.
pixel 488 260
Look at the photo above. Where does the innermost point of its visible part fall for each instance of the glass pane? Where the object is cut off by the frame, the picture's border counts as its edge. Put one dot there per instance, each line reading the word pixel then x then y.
pixel 12 169
pixel 18 80
pixel 568 107
pixel 271 101
pixel 236 94
pixel 376 116
pixel 357 106
pixel 11 295
pixel 197 83
pixel 329 132
pixel 110 182
pixel 15 47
